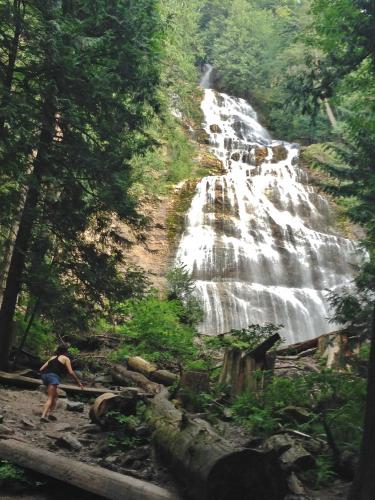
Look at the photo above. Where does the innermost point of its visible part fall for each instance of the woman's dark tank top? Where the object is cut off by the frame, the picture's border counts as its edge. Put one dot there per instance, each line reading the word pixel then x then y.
pixel 55 366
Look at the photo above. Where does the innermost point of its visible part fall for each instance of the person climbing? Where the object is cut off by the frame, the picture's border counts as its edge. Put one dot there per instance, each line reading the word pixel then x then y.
pixel 51 373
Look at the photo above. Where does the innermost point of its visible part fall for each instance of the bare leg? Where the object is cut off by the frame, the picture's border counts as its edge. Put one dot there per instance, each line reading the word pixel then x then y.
pixel 54 402
pixel 51 392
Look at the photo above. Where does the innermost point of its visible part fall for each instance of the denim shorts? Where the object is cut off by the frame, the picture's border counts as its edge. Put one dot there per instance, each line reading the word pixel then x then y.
pixel 50 378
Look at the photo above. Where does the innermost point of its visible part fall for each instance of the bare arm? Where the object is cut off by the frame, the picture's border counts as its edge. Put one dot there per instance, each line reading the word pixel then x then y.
pixel 45 365
pixel 68 365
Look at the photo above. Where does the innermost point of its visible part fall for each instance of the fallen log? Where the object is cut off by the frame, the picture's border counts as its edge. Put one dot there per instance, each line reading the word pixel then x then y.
pixel 105 404
pixel 127 377
pixel 149 370
pixel 140 365
pixel 164 377
pixel 210 467
pixel 33 383
pixel 297 348
pixel 302 354
pixel 97 480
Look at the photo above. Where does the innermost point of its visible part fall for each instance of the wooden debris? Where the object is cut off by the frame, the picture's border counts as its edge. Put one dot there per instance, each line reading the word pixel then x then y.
pixel 335 349
pixel 97 480
pixel 302 354
pixel 297 348
pixel 126 377
pixel 125 404
pixel 240 366
pixel 195 381
pixel 208 465
pixel 164 377
pixel 140 365
pixel 33 383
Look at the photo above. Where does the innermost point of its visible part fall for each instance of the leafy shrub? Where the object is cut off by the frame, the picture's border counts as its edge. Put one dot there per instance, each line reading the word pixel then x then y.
pixel 340 397
pixel 152 328
pixel 181 286
pixel 10 473
pixel 125 427
pixel 39 339
pixel 245 338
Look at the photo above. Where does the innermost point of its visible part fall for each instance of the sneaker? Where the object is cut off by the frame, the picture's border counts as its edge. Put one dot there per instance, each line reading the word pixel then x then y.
pixel 44 419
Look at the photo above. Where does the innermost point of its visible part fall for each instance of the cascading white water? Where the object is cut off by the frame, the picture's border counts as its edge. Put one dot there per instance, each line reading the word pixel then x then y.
pixel 259 240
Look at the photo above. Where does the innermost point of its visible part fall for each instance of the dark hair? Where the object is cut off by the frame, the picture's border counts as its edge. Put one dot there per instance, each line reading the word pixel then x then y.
pixel 62 349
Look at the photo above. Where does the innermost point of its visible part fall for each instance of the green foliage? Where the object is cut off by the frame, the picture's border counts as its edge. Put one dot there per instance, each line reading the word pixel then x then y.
pixel 181 286
pixel 124 436
pixel 246 338
pixel 255 49
pixel 73 351
pixel 353 307
pixel 39 340
pixel 339 397
pixel 153 328
pixel 322 475
pixel 75 103
pixel 10 473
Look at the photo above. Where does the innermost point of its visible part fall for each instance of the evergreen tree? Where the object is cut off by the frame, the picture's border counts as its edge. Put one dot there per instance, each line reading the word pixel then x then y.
pixel 343 32
pixel 83 87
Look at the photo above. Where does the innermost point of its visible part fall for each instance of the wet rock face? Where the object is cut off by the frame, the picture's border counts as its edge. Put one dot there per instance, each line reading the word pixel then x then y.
pixel 279 153
pixel 215 129
pixel 201 136
pixel 212 164
pixel 260 155
pixel 259 240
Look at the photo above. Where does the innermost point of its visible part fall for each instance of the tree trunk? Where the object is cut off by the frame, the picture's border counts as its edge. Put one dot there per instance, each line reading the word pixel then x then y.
pixel 126 377
pixel 210 467
pixel 33 383
pixel 96 480
pixel 18 14
pixel 335 349
pixel 330 115
pixel 29 215
pixel 140 365
pixel 363 487
pixel 164 377
pixel 239 366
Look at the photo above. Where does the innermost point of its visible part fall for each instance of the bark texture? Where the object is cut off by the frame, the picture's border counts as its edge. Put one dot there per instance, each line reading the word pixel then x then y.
pixel 126 377
pixel 209 466
pixel 96 480
pixel 33 383
pixel 364 483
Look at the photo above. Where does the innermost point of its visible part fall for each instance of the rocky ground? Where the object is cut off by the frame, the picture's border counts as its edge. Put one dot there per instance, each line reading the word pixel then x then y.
pixel 74 436
pixel 71 435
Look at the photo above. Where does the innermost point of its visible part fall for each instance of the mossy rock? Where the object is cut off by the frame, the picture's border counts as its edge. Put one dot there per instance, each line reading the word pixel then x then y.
pixel 179 206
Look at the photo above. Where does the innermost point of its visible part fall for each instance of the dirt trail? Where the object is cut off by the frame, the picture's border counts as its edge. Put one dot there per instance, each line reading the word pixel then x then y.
pixel 20 412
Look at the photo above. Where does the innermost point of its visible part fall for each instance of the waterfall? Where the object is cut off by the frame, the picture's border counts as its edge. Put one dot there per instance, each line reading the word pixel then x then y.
pixel 259 240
